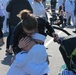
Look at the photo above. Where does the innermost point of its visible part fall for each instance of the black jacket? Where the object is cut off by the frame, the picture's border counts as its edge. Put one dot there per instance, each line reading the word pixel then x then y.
pixel 53 2
pixel 14 7
pixel 42 25
pixel 16 35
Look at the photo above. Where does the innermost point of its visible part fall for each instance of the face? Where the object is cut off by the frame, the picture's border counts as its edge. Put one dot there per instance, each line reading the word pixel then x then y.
pixel 29 32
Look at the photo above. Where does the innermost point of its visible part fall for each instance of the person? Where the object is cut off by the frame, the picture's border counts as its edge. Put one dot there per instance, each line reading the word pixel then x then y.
pixel 69 11
pixel 40 12
pixel 14 7
pixel 75 18
pixel 5 26
pixel 38 8
pixel 62 16
pixel 32 59
pixel 69 19
pixel 27 26
pixel 2 16
pixel 53 4
pixel 53 16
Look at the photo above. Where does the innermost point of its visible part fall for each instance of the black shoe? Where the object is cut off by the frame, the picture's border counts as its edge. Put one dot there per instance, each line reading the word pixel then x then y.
pixel 10 53
pixel 74 31
pixel 1 43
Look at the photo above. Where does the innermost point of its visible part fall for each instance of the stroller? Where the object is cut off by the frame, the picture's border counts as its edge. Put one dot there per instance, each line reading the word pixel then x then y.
pixel 68 51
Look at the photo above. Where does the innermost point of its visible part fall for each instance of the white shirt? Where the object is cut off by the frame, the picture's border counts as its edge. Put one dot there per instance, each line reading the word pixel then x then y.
pixel 34 62
pixel 4 3
pixel 38 8
pixel 1 10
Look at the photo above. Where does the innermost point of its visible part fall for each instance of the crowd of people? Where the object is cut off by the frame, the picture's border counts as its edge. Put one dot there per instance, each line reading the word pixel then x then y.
pixel 26 22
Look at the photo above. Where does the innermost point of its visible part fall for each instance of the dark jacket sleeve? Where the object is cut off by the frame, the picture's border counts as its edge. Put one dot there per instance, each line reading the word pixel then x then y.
pixel 17 32
pixel 49 28
pixel 44 24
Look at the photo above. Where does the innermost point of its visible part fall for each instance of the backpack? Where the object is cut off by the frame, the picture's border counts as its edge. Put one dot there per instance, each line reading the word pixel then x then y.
pixel 68 51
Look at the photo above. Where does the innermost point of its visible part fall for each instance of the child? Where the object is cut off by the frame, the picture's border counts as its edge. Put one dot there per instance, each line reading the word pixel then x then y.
pixel 54 17
pixel 32 59
pixel 61 16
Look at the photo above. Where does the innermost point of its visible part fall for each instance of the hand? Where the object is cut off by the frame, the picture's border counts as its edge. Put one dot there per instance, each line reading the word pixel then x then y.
pixel 24 42
pixel 56 37
pixel 10 49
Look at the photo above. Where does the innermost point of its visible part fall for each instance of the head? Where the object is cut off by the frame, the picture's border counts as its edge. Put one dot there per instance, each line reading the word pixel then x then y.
pixel 35 38
pixel 29 22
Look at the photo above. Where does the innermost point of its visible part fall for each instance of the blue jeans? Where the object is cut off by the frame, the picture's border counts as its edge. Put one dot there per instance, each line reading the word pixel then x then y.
pixel 1 26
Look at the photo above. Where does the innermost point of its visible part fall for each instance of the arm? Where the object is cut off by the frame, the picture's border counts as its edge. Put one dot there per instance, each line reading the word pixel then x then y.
pixel 49 28
pixel 42 24
pixel 17 32
pixel 51 32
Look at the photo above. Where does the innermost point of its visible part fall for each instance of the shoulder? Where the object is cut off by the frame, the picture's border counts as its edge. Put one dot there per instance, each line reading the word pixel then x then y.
pixel 38 48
